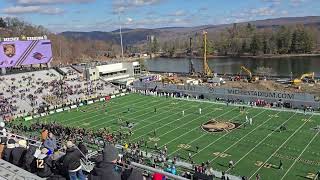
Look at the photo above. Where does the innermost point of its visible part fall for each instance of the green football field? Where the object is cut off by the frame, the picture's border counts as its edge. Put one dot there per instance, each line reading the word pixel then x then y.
pixel 256 148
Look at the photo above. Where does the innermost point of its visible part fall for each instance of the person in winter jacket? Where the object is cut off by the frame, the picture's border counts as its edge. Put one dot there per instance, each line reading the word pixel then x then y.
pixel 131 174
pixel 106 168
pixel 7 153
pixel 50 143
pixel 44 164
pixel 19 152
pixel 71 162
pixel 29 160
pixel 83 148
pixel 3 142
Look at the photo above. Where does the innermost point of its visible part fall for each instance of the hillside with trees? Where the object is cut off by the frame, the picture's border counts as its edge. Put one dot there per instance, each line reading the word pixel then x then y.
pixel 282 36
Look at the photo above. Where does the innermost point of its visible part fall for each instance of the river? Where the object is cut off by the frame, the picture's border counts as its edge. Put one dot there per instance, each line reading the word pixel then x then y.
pixel 231 65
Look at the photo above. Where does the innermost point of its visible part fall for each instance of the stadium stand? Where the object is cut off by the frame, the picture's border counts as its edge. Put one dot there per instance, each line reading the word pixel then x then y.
pixel 28 93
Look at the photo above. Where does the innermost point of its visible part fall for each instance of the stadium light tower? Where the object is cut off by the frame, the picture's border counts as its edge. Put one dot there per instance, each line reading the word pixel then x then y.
pixel 120 31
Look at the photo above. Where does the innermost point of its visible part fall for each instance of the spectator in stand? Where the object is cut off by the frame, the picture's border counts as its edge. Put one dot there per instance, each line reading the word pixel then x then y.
pixel 50 143
pixel 44 163
pixel 82 147
pixel 19 152
pixel 2 146
pixel 3 132
pixel 71 162
pixel 7 154
pixel 44 135
pixel 106 168
pixel 29 159
pixel 3 138
pixel 132 174
pixel 158 176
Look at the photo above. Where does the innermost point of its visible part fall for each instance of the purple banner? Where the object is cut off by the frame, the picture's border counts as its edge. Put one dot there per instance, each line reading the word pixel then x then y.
pixel 17 53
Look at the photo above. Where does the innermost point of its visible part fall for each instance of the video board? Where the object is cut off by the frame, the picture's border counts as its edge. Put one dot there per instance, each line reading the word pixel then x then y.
pixel 19 53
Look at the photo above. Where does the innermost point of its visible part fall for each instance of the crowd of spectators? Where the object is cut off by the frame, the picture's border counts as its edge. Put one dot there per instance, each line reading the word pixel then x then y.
pixel 62 160
pixel 27 93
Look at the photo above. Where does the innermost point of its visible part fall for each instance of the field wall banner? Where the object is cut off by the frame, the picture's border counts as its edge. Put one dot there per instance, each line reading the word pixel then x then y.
pixel 226 92
pixel 17 53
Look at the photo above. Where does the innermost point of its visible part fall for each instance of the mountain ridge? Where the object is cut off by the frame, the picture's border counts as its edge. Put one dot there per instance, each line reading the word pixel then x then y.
pixel 133 36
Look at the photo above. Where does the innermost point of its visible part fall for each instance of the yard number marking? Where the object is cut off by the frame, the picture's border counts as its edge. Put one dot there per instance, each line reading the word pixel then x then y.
pixel 306 120
pixel 184 146
pixel 154 139
pixel 266 165
pixel 221 154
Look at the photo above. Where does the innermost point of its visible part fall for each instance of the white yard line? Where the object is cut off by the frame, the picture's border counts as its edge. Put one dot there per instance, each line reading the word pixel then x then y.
pixel 295 161
pixel 99 114
pixel 153 116
pixel 191 129
pixel 204 135
pixel 280 147
pixel 261 141
pixel 115 115
pixel 94 111
pixel 162 125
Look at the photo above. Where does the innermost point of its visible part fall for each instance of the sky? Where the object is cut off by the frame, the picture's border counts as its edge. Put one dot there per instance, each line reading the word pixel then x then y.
pixel 107 15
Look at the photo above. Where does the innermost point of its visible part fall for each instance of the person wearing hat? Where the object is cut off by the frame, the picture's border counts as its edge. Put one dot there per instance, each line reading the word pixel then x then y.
pixel 7 154
pixel 71 162
pixel 3 131
pixel 19 152
pixel 106 168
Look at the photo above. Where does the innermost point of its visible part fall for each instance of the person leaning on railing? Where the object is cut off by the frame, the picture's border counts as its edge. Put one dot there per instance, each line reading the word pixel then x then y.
pixel 71 162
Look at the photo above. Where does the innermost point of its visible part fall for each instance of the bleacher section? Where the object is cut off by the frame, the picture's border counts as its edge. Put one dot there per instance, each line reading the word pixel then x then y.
pixel 9 171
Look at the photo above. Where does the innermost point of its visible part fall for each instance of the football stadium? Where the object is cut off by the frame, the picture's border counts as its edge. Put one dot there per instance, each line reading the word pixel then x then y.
pixel 177 124
pixel 168 97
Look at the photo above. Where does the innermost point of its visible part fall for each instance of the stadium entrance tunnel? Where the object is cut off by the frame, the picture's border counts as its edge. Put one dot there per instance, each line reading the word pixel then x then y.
pixel 214 126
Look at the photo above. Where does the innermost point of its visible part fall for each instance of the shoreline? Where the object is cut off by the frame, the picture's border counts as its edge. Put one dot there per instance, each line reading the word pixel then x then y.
pixel 266 56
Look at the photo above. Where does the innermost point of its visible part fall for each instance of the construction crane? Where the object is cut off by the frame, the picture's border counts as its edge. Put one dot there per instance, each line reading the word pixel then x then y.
pixel 206 69
pixel 307 76
pixel 250 77
pixel 191 66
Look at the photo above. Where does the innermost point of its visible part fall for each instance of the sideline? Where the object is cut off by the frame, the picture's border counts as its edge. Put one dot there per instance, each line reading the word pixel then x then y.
pixel 271 108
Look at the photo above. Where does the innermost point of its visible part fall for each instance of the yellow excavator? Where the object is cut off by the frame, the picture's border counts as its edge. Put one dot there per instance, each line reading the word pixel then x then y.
pixel 171 80
pixel 250 77
pixel 309 77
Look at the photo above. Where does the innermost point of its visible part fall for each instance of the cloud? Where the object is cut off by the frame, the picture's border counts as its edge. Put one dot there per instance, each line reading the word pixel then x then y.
pixel 123 5
pixel 32 9
pixel 272 1
pixel 203 9
pixel 129 20
pixel 159 22
pixel 296 3
pixel 178 13
pixel 41 2
pixel 263 11
pixel 284 13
